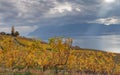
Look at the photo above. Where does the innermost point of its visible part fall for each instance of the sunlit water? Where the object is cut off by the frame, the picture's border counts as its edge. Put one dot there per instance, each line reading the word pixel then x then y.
pixel 110 43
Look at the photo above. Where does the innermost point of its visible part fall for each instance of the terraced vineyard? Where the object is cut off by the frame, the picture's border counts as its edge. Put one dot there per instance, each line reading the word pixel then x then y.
pixel 21 55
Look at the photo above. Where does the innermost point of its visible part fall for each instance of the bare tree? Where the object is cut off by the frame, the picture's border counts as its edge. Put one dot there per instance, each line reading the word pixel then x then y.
pixel 68 42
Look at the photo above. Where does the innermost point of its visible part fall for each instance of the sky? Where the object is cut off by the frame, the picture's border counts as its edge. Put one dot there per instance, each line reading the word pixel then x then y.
pixel 28 15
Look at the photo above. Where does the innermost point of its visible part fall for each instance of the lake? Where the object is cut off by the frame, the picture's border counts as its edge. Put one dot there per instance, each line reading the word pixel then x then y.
pixel 110 43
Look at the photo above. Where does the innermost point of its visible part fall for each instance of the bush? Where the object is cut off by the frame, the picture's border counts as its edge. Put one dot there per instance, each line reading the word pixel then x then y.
pixel 16 33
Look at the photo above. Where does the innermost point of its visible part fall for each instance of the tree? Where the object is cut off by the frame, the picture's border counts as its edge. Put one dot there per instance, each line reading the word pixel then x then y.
pixel 68 42
pixel 12 31
pixel 16 33
pixel 2 33
pixel 61 51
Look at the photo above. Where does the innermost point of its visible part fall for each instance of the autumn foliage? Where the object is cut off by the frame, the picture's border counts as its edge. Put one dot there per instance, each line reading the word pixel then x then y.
pixel 19 53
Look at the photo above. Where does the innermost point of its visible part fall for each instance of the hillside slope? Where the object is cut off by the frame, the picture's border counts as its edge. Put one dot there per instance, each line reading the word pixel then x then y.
pixel 22 53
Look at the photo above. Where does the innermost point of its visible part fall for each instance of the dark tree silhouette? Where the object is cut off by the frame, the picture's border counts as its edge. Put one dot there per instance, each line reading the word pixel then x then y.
pixel 16 33
pixel 2 33
pixel 12 31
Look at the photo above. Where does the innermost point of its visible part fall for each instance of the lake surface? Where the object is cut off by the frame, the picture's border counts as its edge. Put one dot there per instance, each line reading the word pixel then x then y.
pixel 110 43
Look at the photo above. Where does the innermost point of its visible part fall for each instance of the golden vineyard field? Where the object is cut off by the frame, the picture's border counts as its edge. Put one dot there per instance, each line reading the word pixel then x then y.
pixel 19 54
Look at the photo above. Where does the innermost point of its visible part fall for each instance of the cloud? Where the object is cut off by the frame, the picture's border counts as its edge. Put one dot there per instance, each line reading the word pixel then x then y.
pixel 4 29
pixel 109 8
pixel 64 7
pixel 107 21
pixel 25 12
pixel 78 9
pixel 61 8
pixel 39 13
pixel 25 29
pixel 22 29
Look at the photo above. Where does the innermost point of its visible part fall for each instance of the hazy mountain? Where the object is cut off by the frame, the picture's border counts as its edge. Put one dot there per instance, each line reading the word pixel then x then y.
pixel 76 30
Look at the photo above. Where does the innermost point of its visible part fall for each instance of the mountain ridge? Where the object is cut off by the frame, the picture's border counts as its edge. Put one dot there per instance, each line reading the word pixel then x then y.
pixel 72 30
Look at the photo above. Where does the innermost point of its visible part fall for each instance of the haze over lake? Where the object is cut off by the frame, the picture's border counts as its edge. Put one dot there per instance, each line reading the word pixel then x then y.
pixel 110 43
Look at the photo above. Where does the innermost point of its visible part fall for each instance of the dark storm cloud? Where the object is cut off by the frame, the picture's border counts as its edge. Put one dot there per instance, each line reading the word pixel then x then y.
pixel 31 14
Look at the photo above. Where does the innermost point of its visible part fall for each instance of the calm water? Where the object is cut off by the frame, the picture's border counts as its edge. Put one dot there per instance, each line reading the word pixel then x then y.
pixel 110 43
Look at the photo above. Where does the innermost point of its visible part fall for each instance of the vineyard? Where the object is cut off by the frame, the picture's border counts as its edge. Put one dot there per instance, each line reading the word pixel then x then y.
pixel 20 55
